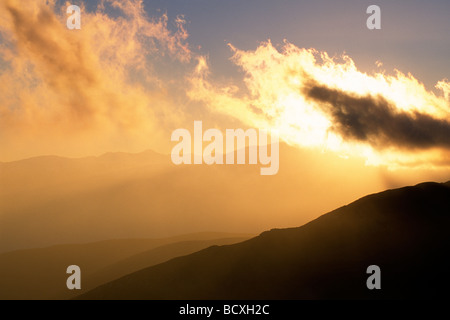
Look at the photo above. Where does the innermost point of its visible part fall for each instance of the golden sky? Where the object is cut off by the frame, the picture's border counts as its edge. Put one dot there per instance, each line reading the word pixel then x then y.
pixel 127 79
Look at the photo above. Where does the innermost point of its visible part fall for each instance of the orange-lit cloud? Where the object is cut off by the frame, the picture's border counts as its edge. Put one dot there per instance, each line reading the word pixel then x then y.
pixel 84 91
pixel 314 100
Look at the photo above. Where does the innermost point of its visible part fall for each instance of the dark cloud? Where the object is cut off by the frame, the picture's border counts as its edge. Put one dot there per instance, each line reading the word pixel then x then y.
pixel 374 120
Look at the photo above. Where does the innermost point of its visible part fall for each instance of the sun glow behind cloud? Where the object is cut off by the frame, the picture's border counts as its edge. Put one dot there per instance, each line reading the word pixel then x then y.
pixel 288 89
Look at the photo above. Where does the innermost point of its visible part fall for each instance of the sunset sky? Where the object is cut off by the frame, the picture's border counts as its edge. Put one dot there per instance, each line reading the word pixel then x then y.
pixel 137 70
pixel 357 111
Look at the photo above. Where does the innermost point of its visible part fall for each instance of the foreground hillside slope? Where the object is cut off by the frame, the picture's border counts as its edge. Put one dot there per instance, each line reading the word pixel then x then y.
pixel 404 231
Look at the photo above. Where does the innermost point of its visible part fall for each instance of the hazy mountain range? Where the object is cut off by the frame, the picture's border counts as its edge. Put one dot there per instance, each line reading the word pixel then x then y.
pixel 41 273
pixel 115 216
pixel 52 200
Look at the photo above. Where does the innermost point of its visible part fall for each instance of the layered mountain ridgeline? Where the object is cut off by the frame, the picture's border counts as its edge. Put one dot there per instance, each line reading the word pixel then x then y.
pixel 51 200
pixel 403 231
pixel 41 273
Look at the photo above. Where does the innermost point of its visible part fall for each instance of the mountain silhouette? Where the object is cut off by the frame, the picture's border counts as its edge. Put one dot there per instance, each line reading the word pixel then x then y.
pixel 403 231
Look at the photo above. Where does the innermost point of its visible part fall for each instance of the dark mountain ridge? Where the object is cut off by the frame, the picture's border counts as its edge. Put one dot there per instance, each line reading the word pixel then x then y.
pixel 403 231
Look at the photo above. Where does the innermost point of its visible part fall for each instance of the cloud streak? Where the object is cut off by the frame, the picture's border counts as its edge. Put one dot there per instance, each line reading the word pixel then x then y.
pixel 378 122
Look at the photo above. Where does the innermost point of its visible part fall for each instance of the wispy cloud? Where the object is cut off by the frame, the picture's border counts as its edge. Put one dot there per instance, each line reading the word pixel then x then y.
pixel 80 89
